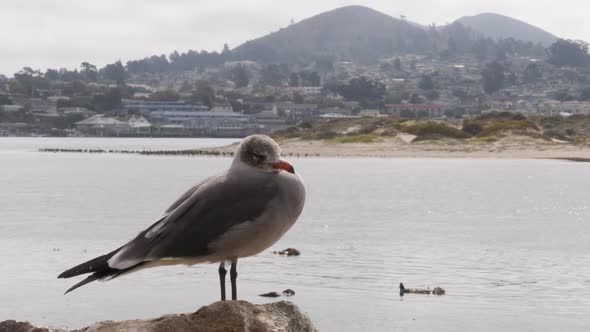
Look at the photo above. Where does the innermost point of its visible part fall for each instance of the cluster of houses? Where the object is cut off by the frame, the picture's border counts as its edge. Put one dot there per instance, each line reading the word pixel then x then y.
pixel 452 85
pixel 458 84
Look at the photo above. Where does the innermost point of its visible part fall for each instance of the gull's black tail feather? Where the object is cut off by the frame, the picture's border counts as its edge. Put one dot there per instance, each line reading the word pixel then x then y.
pixel 100 267
pixel 105 273
pixel 83 282
pixel 94 265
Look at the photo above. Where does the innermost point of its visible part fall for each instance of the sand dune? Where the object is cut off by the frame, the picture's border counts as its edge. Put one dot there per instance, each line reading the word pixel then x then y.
pixel 515 147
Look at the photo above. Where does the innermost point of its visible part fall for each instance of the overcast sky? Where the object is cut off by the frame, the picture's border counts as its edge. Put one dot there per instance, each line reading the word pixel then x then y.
pixel 63 33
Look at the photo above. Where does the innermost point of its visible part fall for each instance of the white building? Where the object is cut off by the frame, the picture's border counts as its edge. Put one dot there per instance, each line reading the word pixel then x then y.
pixel 101 125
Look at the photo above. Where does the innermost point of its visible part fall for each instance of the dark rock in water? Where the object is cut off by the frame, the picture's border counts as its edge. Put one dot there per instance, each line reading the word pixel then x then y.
pixel 288 252
pixel 270 294
pixel 236 316
pixel 436 291
pixel 288 292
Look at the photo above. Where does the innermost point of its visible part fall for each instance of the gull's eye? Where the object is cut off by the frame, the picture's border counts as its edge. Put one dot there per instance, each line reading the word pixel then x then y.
pixel 257 156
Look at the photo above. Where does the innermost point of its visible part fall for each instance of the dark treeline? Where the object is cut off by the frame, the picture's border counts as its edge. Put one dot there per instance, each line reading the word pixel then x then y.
pixel 179 61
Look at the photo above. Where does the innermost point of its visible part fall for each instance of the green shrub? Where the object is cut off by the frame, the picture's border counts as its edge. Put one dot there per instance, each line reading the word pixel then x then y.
pixel 499 116
pixel 550 121
pixel 356 139
pixel 557 135
pixel 397 125
pixel 306 125
pixel 290 132
pixel 432 128
pixel 518 117
pixel 473 127
pixel 368 128
pixel 497 127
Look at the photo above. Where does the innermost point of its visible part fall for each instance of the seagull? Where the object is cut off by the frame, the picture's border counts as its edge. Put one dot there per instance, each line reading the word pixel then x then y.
pixel 236 214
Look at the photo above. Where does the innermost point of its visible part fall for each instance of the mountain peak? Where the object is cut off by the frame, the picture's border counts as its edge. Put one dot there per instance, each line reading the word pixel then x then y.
pixel 352 33
pixel 497 26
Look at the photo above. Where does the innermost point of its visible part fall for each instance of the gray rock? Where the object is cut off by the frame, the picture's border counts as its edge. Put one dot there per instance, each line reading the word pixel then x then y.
pixel 14 326
pixel 222 316
pixel 288 252
pixel 288 292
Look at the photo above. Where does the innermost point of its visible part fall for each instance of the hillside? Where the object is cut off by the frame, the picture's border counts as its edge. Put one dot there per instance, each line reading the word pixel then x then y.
pixel 499 26
pixel 363 35
pixel 353 33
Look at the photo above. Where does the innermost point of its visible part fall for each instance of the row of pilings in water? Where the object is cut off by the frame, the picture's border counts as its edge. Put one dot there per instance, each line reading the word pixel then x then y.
pixel 191 152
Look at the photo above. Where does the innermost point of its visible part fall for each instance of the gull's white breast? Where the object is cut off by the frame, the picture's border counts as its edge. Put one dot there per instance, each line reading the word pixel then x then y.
pixel 252 237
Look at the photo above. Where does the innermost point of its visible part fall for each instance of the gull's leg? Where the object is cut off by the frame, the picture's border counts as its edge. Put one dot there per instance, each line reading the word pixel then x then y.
pixel 222 273
pixel 233 274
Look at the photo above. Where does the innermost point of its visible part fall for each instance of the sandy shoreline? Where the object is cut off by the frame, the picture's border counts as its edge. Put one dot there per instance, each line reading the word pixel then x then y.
pixel 509 148
pixel 386 147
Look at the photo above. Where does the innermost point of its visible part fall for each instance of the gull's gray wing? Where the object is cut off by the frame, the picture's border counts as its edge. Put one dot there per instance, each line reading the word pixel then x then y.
pixel 198 218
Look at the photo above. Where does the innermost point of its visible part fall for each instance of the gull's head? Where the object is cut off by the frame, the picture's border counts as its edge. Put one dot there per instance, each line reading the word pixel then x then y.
pixel 261 152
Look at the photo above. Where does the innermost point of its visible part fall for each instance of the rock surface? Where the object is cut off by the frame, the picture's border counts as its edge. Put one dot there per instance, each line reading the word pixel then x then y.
pixel 230 316
pixel 14 326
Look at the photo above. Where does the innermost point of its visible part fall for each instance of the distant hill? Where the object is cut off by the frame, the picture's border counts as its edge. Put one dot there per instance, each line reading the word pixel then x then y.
pixel 353 33
pixel 362 35
pixel 499 26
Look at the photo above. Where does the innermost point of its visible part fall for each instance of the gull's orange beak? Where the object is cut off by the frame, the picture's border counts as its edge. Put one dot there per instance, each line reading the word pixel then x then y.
pixel 285 166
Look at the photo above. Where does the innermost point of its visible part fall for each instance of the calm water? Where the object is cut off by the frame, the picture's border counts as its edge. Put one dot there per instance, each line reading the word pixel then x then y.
pixel 508 239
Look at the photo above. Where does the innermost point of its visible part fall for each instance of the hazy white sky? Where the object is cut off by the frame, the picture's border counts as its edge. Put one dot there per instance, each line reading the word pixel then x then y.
pixel 63 33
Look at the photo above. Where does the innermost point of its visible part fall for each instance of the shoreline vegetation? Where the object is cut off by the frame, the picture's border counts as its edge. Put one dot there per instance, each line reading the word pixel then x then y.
pixel 492 135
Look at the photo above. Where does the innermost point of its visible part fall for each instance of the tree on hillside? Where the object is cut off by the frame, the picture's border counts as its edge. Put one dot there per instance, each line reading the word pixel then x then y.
pixel 115 72
pixel 310 78
pixel 89 71
pixel 239 75
pixel 362 90
pixel 493 77
pixel 69 75
pixel 5 100
pixel 75 88
pixel 298 98
pixel 324 64
pixel 204 94
pixel 274 74
pixel 567 52
pixel 27 81
pixel 294 79
pixel 532 73
pixel 51 74
pixel 426 83
pixel 225 52
pixel 397 64
pixel 186 87
pixel 108 101
pixel 154 64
